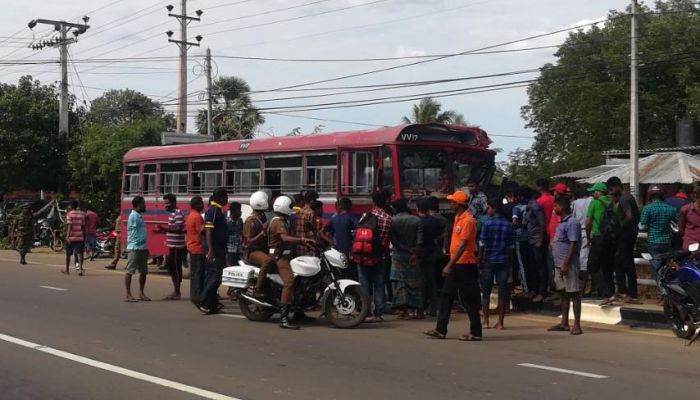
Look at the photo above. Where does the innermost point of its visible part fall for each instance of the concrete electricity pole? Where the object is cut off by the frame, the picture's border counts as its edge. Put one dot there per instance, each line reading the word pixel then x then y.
pixel 634 108
pixel 184 45
pixel 62 43
pixel 207 66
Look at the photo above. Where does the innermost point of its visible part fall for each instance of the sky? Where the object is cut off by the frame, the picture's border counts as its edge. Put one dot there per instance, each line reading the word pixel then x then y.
pixel 310 30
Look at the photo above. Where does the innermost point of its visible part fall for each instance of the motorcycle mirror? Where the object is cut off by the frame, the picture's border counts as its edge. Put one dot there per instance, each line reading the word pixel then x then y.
pixel 694 247
pixel 647 256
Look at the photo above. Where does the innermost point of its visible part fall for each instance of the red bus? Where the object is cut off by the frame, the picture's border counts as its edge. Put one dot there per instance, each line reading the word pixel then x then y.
pixel 408 160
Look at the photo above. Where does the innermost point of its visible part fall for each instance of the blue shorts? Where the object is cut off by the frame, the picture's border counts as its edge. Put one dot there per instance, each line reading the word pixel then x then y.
pixel 74 248
pixel 500 272
pixel 90 242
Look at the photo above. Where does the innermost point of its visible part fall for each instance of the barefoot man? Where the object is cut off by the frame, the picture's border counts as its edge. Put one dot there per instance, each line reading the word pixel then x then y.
pixel 136 247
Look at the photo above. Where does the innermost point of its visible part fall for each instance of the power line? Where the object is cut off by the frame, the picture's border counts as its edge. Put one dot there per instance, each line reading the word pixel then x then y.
pixel 437 58
pixel 295 18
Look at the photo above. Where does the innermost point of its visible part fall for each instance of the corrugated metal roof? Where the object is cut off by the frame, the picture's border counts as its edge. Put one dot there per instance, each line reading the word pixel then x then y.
pixel 660 168
pixel 686 149
pixel 586 173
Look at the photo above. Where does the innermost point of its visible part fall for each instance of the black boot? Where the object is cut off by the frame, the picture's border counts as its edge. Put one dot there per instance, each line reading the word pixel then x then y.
pixel 284 320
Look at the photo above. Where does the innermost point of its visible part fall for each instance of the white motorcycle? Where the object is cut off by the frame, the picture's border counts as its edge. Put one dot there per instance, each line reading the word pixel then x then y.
pixel 343 301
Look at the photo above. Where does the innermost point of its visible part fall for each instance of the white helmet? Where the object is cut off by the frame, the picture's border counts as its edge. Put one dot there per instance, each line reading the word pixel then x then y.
pixel 283 205
pixel 258 201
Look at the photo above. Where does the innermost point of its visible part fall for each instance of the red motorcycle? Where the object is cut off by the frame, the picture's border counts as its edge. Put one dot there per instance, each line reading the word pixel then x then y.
pixel 104 243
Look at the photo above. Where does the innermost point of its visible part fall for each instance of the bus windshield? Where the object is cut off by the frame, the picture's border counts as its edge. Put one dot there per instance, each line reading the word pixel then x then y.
pixel 423 170
pixel 466 165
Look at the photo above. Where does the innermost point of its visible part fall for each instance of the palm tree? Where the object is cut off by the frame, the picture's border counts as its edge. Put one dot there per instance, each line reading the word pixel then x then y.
pixel 233 113
pixel 459 119
pixel 429 111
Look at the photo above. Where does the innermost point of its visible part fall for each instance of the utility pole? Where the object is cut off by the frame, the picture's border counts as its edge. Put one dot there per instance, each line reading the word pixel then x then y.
pixel 62 43
pixel 184 45
pixel 207 66
pixel 634 107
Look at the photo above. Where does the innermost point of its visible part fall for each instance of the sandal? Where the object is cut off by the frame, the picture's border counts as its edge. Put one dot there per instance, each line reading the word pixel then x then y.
pixel 131 300
pixel 607 302
pixel 576 332
pixel 171 298
pixel 434 334
pixel 469 338
pixel 204 310
pixel 559 328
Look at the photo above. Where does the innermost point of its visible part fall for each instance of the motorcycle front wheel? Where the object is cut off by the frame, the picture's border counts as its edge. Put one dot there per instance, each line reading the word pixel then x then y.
pixel 349 312
pixel 254 312
pixel 57 244
pixel 684 329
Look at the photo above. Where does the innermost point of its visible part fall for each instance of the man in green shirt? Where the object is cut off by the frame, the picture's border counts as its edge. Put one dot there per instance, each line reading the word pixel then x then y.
pixel 601 260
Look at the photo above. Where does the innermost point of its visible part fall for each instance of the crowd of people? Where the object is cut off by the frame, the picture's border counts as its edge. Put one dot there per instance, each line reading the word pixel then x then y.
pixel 547 243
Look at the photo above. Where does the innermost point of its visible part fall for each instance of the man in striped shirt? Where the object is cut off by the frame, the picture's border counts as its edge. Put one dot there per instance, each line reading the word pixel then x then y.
pixel 75 236
pixel 175 241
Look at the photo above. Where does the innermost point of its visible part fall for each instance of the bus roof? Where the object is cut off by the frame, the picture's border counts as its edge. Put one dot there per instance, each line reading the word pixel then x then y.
pixel 457 134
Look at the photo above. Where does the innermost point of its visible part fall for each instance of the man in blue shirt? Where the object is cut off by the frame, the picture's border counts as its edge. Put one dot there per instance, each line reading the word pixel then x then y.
pixel 656 220
pixel 495 246
pixel 341 228
pixel 216 233
pixel 137 249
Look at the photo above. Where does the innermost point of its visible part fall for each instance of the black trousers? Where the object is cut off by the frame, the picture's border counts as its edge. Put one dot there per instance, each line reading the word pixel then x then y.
pixel 601 262
pixel 196 278
pixel 212 280
pixel 463 280
pixel 625 270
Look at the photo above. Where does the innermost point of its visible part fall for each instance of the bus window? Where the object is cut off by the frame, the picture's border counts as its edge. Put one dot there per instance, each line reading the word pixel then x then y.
pixel 131 179
pixel 243 176
pixel 173 177
pixel 283 174
pixel 358 172
pixel 149 179
pixel 387 169
pixel 206 176
pixel 321 172
pixel 423 170
pixel 467 165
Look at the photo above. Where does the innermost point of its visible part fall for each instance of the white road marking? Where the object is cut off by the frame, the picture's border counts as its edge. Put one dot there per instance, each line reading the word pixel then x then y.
pixel 563 371
pixel 233 316
pixel 117 370
pixel 54 288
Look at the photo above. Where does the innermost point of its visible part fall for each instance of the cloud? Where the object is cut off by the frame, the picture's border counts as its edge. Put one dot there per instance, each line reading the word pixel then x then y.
pixel 405 51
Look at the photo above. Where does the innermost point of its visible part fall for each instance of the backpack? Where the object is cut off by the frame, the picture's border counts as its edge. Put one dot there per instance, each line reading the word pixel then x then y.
pixel 366 247
pixel 610 224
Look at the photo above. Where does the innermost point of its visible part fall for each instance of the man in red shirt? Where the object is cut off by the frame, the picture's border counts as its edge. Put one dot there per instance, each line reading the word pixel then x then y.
pixel 193 232
pixel 546 200
pixel 91 221
pixel 75 236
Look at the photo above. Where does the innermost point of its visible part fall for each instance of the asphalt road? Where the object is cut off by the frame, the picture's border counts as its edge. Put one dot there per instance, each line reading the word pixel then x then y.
pixel 84 342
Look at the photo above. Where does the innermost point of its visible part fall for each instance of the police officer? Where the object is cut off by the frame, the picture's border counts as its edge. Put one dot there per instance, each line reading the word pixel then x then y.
pixel 255 240
pixel 24 233
pixel 281 246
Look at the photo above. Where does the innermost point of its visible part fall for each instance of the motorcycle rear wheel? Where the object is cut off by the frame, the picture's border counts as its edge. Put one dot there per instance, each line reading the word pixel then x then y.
pixel 353 313
pixel 684 329
pixel 254 312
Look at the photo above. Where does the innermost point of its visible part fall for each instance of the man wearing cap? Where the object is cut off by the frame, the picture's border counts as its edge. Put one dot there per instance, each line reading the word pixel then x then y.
pixel 461 273
pixel 601 259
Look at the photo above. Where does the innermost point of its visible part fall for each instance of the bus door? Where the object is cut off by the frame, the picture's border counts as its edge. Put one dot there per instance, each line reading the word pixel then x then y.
pixel 357 175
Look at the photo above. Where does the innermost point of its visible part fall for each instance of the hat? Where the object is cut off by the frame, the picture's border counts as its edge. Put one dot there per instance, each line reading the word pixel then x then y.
pixel 560 188
pixel 598 187
pixel 459 197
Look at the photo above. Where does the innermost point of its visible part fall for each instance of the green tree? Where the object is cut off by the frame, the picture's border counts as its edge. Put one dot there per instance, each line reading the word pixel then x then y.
pixel 579 105
pixel 233 113
pixel 429 111
pixel 96 161
pixel 124 106
pixel 33 155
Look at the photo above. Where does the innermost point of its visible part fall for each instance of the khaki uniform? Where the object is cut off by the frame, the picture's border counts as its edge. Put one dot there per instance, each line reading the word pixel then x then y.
pixel 283 253
pixel 24 233
pixel 257 253
pixel 118 241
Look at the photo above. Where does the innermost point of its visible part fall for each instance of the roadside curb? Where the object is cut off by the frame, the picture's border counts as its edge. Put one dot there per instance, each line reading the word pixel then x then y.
pixel 592 312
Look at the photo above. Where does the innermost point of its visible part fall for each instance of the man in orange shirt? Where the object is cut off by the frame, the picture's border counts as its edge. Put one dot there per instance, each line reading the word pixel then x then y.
pixel 461 273
pixel 193 233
